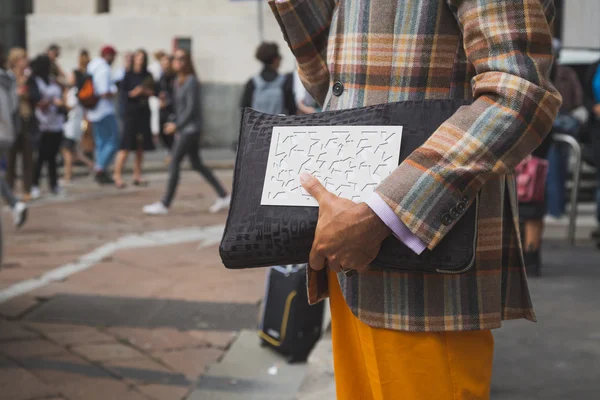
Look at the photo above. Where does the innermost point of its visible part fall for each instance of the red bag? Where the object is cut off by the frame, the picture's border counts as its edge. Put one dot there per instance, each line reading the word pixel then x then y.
pixel 531 180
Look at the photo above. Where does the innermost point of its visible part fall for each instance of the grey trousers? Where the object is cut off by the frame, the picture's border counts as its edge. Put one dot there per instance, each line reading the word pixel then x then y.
pixel 188 145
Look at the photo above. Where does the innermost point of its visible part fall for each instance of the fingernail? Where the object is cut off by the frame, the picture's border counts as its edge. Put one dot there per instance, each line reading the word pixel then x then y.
pixel 305 177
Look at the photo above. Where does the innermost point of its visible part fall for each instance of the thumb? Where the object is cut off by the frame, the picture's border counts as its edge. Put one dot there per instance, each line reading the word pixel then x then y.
pixel 313 186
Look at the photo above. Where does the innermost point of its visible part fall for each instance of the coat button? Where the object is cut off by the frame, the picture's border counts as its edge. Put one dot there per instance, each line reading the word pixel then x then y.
pixel 454 213
pixel 461 206
pixel 338 88
pixel 446 219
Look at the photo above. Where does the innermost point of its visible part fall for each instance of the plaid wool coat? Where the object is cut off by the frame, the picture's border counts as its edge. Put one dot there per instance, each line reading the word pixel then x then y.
pixel 498 53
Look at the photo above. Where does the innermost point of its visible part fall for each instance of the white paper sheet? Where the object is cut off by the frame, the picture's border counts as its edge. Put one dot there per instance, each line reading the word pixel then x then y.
pixel 350 161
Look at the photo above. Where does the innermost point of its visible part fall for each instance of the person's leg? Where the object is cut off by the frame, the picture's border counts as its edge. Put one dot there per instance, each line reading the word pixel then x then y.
pixel 67 155
pixel 101 135
pixel 137 166
pixel 179 151
pixel 533 234
pixel 7 193
pixel 119 164
pixel 381 364
pixel 55 140
pixel 113 139
pixel 27 161
pixel 42 156
pixel 194 155
pixel 11 162
pixel 79 155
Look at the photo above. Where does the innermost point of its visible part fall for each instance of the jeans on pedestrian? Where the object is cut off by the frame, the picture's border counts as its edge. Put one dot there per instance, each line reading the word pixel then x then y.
pixel 106 138
pixel 188 145
pixel 558 156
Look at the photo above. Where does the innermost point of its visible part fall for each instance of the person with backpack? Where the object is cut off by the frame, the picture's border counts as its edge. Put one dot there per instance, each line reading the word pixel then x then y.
pixel 269 92
pixel 8 110
pixel 75 118
pixel 188 126
pixel 99 92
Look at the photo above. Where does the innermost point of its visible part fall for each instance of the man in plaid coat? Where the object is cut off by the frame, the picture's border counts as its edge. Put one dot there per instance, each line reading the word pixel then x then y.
pixel 410 335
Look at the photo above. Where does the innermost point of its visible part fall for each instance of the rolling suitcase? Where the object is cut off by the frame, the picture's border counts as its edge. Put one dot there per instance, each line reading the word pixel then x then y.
pixel 288 323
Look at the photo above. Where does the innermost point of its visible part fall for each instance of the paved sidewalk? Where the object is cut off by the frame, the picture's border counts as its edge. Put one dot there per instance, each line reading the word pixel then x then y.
pixel 122 306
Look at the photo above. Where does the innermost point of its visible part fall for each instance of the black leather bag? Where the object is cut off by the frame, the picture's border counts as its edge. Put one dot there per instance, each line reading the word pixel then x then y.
pixel 260 236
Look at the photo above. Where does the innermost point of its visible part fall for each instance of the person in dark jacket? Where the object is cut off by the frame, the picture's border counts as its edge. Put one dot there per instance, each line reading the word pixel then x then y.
pixel 164 92
pixel 136 88
pixel 268 55
pixel 187 126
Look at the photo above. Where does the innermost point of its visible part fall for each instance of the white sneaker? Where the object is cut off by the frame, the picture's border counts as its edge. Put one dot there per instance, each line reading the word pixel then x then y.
pixel 157 208
pixel 35 193
pixel 19 214
pixel 220 205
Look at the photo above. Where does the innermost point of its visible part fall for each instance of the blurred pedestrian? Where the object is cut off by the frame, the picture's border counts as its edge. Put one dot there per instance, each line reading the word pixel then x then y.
pixel 156 66
pixel 73 128
pixel 50 115
pixel 270 92
pixel 56 72
pixel 188 127
pixel 102 117
pixel 596 146
pixel 9 103
pixel 164 91
pixel 571 116
pixel 136 88
pixel 18 65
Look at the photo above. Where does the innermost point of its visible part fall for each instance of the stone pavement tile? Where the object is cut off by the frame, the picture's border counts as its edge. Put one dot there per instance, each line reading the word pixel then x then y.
pixel 107 351
pixel 191 362
pixel 11 331
pixel 96 389
pixel 17 383
pixel 62 369
pixel 157 339
pixel 80 335
pixel 50 327
pixel 164 392
pixel 18 306
pixel 218 339
pixel 30 348
pixel 146 371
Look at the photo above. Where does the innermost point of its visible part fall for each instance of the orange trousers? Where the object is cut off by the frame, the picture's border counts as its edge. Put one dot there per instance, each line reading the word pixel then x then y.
pixel 382 364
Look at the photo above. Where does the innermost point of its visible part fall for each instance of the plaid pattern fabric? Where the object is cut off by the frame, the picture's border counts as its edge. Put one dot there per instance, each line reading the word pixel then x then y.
pixel 495 52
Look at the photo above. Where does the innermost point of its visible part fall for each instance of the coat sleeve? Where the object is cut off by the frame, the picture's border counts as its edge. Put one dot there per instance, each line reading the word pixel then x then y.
pixel 509 45
pixel 305 26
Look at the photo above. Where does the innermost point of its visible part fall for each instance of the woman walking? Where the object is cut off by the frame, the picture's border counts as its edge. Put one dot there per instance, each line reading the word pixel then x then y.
pixel 136 88
pixel 49 113
pixel 18 65
pixel 187 125
pixel 73 128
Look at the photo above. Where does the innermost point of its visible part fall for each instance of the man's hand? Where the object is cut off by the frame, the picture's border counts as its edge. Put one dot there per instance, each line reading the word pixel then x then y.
pixel 348 235
pixel 597 110
pixel 169 128
pixel 135 92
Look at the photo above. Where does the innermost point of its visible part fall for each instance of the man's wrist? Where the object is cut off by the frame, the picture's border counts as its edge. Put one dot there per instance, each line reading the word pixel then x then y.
pixel 375 224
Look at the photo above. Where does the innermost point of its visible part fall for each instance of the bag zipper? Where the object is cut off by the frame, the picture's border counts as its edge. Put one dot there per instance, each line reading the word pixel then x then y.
pixel 472 262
